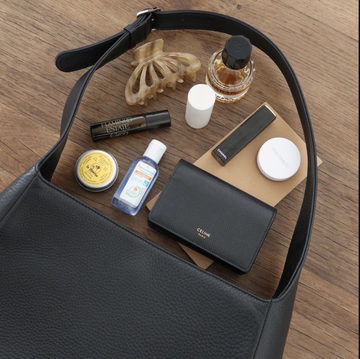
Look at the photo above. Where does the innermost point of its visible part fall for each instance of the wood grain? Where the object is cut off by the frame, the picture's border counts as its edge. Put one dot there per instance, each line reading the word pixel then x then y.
pixel 319 38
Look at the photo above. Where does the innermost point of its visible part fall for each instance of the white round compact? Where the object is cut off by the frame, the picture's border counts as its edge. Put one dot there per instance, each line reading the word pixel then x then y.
pixel 278 159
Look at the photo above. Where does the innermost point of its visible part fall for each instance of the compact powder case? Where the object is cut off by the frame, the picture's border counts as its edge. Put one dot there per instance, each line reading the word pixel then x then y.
pixel 279 159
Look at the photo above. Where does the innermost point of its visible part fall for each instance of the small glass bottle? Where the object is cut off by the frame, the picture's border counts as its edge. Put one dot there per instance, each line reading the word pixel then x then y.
pixel 139 179
pixel 231 70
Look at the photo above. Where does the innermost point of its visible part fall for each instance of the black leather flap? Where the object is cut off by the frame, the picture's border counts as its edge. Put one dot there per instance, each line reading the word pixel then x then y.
pixel 211 216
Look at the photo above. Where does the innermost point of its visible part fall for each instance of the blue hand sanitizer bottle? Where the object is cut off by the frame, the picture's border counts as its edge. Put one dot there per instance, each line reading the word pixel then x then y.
pixel 139 179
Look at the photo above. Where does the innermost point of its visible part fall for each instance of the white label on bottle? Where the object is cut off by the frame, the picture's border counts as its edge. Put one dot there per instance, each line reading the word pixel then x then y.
pixel 138 183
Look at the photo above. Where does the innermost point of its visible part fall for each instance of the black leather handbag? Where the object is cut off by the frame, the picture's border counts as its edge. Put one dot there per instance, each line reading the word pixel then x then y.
pixel 68 294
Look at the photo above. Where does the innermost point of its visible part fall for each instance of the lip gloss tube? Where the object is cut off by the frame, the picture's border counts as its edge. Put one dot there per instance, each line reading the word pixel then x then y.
pixel 127 125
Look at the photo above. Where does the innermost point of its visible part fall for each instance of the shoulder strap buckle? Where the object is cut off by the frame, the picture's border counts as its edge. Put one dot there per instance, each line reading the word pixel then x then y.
pixel 148 10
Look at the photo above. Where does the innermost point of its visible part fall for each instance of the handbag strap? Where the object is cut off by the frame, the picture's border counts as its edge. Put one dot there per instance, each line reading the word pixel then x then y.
pixel 102 52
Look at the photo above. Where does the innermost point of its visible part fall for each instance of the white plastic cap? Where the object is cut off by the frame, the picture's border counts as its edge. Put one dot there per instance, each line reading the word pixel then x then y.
pixel 200 103
pixel 278 159
pixel 155 150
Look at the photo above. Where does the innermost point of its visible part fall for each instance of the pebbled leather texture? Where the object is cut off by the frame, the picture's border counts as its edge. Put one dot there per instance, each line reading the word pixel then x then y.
pixel 274 333
pixel 233 223
pixel 11 195
pixel 75 284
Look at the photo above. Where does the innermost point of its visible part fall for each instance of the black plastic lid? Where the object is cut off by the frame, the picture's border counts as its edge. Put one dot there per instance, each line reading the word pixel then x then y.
pixel 236 53
pixel 157 120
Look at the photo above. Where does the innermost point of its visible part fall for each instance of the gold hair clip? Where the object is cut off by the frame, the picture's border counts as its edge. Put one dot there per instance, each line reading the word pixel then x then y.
pixel 155 70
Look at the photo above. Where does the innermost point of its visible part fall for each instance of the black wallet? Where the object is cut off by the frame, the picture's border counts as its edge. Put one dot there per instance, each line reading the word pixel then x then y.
pixel 212 217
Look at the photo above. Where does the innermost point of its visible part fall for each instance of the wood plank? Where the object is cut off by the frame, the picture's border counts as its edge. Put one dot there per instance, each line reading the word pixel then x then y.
pixel 319 38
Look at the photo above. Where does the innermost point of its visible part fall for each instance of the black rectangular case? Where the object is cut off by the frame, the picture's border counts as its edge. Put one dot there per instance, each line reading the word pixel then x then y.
pixel 212 217
pixel 243 135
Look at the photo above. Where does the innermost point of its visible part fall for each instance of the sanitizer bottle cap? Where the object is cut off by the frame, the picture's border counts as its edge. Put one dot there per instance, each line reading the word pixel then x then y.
pixel 155 150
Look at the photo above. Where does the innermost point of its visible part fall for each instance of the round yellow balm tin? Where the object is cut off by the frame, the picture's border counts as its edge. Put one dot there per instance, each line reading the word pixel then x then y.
pixel 96 170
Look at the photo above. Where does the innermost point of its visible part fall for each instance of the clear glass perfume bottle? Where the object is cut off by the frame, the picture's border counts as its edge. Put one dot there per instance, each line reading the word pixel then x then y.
pixel 231 70
pixel 139 179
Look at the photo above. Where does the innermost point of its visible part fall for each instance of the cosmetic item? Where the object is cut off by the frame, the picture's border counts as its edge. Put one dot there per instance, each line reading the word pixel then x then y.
pixel 278 159
pixel 139 179
pixel 243 173
pixel 212 217
pixel 127 125
pixel 200 103
pixel 231 70
pixel 96 170
pixel 244 134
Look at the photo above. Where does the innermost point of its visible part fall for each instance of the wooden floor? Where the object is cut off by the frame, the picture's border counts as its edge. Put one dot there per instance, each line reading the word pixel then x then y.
pixel 320 38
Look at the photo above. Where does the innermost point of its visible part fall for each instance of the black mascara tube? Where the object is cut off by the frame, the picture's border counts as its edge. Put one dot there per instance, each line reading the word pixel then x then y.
pixel 127 125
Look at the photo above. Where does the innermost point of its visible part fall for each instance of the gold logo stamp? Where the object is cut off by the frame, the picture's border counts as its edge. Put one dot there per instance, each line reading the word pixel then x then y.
pixel 203 234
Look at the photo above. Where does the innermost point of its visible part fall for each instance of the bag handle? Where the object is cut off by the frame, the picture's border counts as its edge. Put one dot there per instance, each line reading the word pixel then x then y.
pixel 101 53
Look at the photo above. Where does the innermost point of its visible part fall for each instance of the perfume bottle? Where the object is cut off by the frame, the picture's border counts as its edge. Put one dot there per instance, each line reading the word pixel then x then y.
pixel 139 179
pixel 231 70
